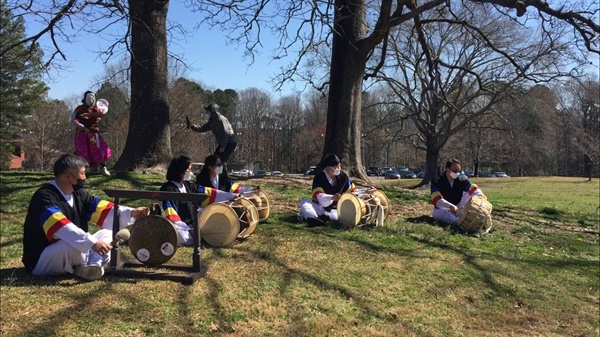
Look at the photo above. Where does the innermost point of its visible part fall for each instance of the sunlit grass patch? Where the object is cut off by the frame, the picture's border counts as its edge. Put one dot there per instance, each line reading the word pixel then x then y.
pixel 535 274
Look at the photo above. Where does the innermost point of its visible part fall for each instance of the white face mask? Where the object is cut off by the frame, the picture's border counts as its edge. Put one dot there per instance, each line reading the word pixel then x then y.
pixel 187 176
pixel 219 169
pixel 454 175
pixel 337 171
pixel 90 99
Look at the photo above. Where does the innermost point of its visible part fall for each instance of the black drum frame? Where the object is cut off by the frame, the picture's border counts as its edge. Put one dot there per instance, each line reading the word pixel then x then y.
pixel 191 272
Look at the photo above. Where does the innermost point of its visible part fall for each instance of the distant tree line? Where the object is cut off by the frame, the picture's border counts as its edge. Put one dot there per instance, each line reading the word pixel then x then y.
pixel 421 84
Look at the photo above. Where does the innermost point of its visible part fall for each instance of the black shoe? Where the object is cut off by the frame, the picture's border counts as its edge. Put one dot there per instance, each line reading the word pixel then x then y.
pixel 314 222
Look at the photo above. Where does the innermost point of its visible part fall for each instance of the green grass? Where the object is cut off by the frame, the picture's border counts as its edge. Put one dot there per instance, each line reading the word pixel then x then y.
pixel 536 273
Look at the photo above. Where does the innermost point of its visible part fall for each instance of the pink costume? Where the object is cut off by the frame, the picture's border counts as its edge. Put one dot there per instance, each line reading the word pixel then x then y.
pixel 89 145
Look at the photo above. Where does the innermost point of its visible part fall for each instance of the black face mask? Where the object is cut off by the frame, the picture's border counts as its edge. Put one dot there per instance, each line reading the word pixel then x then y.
pixel 79 185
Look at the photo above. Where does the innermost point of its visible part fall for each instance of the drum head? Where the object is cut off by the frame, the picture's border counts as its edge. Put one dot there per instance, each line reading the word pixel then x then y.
pixel 153 240
pixel 265 209
pixel 247 216
pixel 349 209
pixel 219 225
pixel 385 202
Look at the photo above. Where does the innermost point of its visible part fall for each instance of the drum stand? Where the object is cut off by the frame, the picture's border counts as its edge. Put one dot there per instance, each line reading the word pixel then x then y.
pixel 118 267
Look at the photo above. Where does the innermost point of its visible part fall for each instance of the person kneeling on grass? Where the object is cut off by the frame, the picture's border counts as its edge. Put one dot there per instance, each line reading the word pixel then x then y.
pixel 56 238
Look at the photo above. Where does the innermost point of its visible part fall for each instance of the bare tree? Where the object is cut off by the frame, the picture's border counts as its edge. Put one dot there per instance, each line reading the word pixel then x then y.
pixel 255 125
pixel 581 108
pixel 48 138
pixel 353 30
pixel 350 28
pixel 142 34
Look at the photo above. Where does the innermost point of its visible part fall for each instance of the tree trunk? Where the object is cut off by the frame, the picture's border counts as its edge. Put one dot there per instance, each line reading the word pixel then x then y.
pixel 148 140
pixel 432 155
pixel 588 166
pixel 348 61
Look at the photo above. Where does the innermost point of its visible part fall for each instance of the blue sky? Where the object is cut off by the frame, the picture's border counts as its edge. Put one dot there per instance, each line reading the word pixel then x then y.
pixel 216 64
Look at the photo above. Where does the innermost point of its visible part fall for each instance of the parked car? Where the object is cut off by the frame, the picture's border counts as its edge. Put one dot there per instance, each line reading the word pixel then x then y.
pixel 260 173
pixel 277 174
pixel 501 175
pixel 421 174
pixel 310 171
pixel 487 175
pixel 392 174
pixel 372 171
pixel 384 170
pixel 243 172
pixel 408 175
pixel 469 174
pixel 401 168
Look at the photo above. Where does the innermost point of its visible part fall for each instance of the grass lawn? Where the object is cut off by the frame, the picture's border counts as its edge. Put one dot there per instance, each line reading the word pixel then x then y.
pixel 536 274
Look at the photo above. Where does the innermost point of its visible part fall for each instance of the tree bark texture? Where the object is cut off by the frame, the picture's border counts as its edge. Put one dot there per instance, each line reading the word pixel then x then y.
pixel 148 140
pixel 348 61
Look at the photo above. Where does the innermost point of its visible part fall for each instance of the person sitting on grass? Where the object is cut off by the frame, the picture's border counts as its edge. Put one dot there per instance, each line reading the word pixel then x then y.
pixel 449 194
pixel 56 236
pixel 327 188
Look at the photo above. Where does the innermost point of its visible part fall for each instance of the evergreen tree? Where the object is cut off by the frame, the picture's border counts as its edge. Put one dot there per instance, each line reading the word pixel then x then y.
pixel 21 87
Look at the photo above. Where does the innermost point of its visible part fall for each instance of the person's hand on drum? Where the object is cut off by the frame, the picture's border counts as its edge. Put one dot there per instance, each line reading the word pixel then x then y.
pixel 140 212
pixel 453 209
pixel 257 189
pixel 336 197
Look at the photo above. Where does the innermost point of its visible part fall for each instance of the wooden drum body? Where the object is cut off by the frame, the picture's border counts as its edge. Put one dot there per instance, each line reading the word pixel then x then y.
pixel 476 216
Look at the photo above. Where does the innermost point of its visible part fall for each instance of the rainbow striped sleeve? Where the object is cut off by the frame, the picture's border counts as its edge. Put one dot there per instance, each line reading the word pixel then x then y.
pixel 52 219
pixel 210 192
pixel 171 211
pixel 470 187
pixel 316 191
pixel 235 188
pixel 351 186
pixel 99 210
pixel 435 194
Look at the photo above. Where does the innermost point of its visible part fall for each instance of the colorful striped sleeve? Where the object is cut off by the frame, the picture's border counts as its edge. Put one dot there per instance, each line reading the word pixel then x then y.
pixel 351 186
pixel 470 187
pixel 235 187
pixel 98 211
pixel 210 192
pixel 52 219
pixel 316 191
pixel 170 210
pixel 436 195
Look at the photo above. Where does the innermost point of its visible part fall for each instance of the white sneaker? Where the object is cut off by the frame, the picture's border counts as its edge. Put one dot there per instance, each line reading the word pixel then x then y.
pixel 89 272
pixel 104 171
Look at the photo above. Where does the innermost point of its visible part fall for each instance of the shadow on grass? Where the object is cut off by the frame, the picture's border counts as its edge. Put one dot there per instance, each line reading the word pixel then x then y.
pixel 516 217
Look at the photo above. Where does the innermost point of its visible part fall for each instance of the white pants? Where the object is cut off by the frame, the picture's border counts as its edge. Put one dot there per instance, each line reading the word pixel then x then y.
pixel 60 258
pixel 309 209
pixel 446 216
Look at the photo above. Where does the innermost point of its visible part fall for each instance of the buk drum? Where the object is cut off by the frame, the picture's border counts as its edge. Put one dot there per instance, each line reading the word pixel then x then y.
pixel 153 240
pixel 247 216
pixel 261 202
pixel 356 209
pixel 222 222
pixel 476 216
